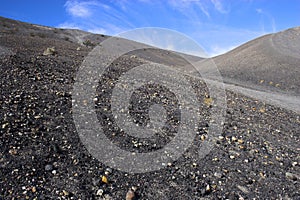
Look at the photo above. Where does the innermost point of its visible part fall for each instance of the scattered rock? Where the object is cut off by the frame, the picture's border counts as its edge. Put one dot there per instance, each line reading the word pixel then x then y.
pixel 243 189
pixel 134 188
pixel 48 167
pixel 207 188
pixel 202 137
pixel 291 176
pixel 130 195
pixel 95 181
pixel 218 174
pixel 107 197
pixel 88 43
pixel 99 192
pixel 49 51
pixel 65 192
pixel 108 171
pixel 13 151
pixel 104 179
pixel 240 141
pixel 208 101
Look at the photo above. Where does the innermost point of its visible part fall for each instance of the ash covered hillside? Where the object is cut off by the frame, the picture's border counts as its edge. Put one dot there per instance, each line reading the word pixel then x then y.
pixel 271 61
pixel 255 156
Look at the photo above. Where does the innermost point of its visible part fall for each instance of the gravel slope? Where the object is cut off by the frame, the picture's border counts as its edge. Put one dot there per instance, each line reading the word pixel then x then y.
pixel 41 156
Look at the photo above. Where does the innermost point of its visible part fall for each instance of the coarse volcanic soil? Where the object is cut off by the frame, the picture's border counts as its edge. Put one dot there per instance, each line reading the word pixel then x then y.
pixel 41 156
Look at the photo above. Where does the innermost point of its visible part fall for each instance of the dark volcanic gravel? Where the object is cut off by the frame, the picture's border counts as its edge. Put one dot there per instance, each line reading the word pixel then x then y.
pixel 42 157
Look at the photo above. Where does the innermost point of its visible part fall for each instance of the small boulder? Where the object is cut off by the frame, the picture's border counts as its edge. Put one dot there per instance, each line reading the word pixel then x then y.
pixel 130 195
pixel 49 51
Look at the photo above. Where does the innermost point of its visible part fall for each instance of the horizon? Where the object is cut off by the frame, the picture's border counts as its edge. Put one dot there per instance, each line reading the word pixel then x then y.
pixel 217 26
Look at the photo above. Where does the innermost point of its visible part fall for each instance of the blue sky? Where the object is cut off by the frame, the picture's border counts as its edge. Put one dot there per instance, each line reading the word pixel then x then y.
pixel 216 25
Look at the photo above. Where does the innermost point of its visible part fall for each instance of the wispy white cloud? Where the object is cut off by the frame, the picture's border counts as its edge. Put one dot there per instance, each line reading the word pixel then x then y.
pixel 68 25
pixel 266 18
pixel 80 8
pixel 165 39
pixel 198 19
pixel 217 39
pixel 218 50
pixel 205 6
pixel 97 16
pixel 191 5
pixel 219 6
pixel 258 10
pixel 98 31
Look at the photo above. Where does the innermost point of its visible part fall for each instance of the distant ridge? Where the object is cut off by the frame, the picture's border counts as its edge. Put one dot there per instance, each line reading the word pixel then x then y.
pixel 269 62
